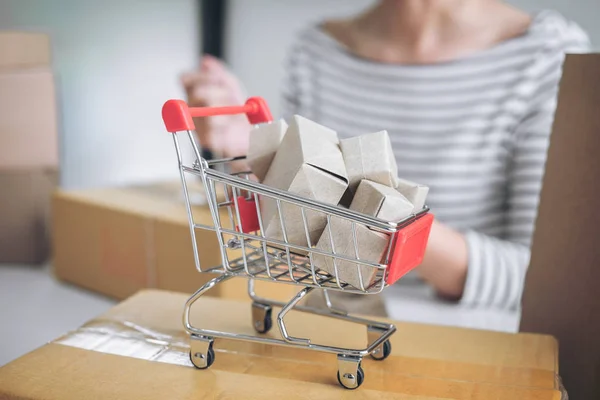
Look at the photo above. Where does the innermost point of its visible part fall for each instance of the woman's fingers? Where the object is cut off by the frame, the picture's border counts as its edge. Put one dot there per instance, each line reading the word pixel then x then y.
pixel 213 85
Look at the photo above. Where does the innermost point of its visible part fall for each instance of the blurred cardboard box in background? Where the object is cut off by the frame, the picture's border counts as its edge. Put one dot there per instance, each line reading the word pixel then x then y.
pixel 117 241
pixel 24 49
pixel 28 146
pixel 24 215
pixel 28 122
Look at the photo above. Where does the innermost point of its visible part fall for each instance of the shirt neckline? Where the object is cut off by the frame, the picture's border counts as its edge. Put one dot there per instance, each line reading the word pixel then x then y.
pixel 536 19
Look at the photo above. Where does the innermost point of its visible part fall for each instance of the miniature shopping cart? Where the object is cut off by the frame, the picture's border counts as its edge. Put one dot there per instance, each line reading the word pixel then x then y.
pixel 234 202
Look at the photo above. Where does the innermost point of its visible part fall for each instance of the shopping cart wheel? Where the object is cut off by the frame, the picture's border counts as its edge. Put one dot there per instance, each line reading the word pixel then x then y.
pixel 360 377
pixel 202 354
pixel 382 351
pixel 261 317
pixel 350 373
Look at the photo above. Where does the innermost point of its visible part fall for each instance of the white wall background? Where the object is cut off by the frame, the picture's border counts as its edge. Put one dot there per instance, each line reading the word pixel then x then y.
pixel 261 30
pixel 117 61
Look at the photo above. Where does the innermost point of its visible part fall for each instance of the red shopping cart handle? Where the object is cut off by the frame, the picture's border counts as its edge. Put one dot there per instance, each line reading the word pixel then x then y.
pixel 177 116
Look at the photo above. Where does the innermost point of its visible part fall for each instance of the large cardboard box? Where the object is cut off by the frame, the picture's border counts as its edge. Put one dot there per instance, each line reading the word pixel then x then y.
pixel 24 49
pixel 561 295
pixel 138 350
pixel 28 119
pixel 117 241
pixel 25 215
pixel 28 146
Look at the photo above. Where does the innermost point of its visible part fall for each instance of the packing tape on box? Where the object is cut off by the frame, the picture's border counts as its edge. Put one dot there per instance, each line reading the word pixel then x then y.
pixel 127 339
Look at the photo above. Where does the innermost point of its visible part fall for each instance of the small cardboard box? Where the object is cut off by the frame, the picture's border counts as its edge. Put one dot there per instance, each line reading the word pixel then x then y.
pixel 25 215
pixel 561 297
pixel 308 163
pixel 263 144
pixel 414 192
pixel 117 241
pixel 369 157
pixel 371 246
pixel 138 350
pixel 381 201
pixel 371 199
pixel 28 119
pixel 24 49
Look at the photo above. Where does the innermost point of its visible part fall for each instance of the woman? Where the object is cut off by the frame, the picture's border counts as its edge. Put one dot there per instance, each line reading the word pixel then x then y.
pixel 466 89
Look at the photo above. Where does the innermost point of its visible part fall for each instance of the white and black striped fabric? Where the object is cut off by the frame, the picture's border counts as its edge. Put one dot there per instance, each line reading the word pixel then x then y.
pixel 475 130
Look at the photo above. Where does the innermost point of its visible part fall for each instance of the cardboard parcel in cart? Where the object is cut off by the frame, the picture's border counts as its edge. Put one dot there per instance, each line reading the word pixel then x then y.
pixel 308 163
pixel 357 241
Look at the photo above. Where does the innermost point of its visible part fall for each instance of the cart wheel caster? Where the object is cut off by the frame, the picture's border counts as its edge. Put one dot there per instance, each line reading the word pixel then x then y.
pixel 349 382
pixel 202 354
pixel 350 373
pixel 261 317
pixel 382 351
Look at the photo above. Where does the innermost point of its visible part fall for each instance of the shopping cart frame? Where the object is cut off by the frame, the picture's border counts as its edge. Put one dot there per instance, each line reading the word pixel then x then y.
pixel 178 119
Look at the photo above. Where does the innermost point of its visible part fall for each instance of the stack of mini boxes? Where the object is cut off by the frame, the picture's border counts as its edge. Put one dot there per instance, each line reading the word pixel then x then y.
pixel 28 146
pixel 309 160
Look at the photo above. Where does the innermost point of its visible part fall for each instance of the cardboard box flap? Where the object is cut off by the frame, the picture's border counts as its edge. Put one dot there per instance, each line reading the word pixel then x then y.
pixel 561 288
pixel 134 345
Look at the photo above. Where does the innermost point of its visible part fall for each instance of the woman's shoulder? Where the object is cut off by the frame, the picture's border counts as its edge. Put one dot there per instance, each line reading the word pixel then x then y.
pixel 314 34
pixel 555 30
pixel 311 43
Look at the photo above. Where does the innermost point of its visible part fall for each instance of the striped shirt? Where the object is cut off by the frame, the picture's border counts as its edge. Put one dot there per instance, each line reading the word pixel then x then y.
pixel 475 130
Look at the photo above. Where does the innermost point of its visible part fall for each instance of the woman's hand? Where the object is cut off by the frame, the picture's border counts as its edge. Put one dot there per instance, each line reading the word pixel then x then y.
pixel 445 263
pixel 213 86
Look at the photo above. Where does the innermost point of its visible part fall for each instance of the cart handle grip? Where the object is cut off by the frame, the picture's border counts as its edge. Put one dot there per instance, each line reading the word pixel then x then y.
pixel 178 116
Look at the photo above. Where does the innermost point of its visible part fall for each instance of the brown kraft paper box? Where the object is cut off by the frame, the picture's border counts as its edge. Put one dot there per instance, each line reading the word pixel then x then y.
pixel 381 201
pixel 372 199
pixel 28 119
pixel 414 192
pixel 138 350
pixel 263 144
pixel 308 163
pixel 117 241
pixel 369 157
pixel 561 295
pixel 28 147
